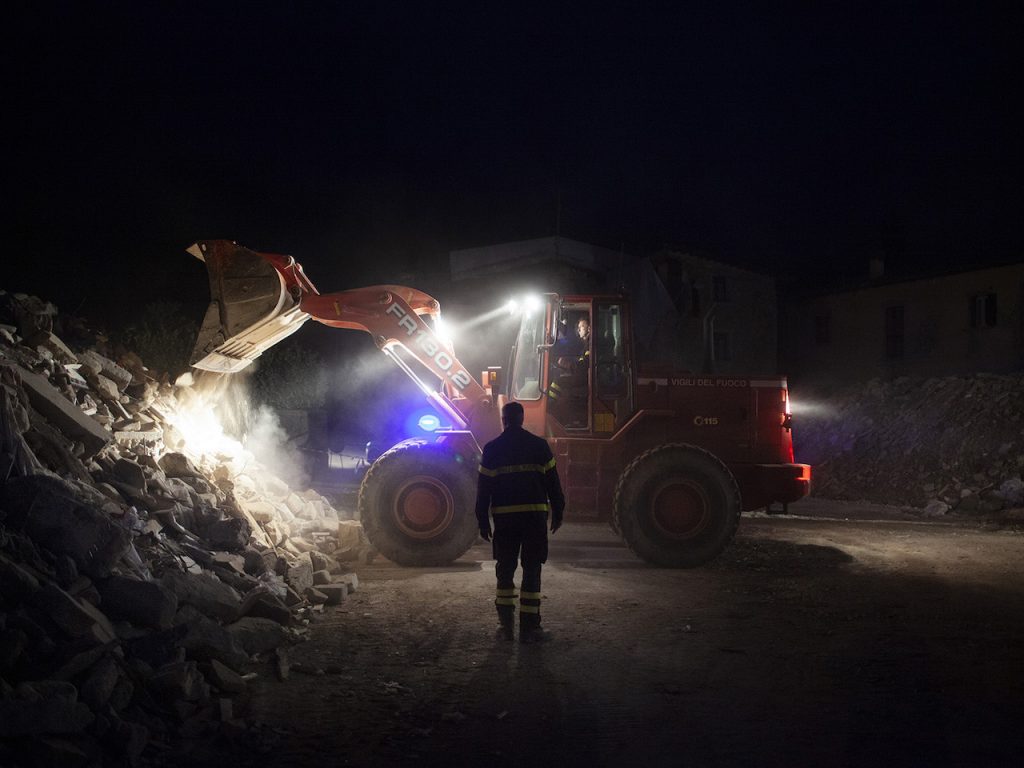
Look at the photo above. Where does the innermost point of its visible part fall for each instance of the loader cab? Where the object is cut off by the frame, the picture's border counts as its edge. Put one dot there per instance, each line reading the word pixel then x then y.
pixel 571 366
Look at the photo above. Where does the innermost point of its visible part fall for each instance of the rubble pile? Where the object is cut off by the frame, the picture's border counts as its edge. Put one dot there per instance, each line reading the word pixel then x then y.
pixel 143 582
pixel 951 444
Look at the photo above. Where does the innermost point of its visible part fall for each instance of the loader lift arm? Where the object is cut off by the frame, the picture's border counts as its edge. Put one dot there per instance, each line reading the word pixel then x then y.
pixel 258 299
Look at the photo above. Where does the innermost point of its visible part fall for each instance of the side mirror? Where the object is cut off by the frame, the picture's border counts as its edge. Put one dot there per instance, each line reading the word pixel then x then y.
pixel 491 379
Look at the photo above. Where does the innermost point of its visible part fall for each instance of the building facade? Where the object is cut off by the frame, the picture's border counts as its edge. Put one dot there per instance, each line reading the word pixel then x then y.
pixel 965 322
pixel 689 312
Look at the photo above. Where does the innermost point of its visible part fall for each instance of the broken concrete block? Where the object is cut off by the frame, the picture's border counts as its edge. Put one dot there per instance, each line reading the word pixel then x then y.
pixel 261 511
pixel 145 603
pixel 63 414
pixel 231 534
pixel 206 640
pixel 350 535
pixel 322 562
pixel 111 370
pixel 351 580
pixel 75 617
pixel 321 577
pixel 106 388
pixel 274 487
pixel 266 605
pixel 100 683
pixel 54 345
pixel 282 665
pixel 130 473
pixel 234 562
pixel 258 635
pixel 178 465
pixel 300 573
pixel 223 678
pixel 147 433
pixel 335 593
pixel 315 596
pixel 181 681
pixel 212 597
pixel 255 565
pixel 302 545
pixel 156 648
pixel 48 511
pixel 179 491
pixel 295 503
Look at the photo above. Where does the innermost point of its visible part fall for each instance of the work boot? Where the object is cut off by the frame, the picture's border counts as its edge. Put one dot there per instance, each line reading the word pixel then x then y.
pixel 530 630
pixel 506 624
pixel 534 635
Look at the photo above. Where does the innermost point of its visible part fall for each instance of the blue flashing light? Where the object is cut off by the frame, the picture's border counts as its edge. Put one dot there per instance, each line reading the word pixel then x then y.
pixel 429 422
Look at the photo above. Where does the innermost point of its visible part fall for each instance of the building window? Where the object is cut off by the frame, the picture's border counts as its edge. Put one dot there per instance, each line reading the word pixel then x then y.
pixel 894 333
pixel 674 283
pixel 722 349
pixel 983 310
pixel 720 288
pixel 822 329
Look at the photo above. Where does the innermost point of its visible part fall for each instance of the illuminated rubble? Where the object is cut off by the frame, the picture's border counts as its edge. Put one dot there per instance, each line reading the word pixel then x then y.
pixel 953 444
pixel 149 564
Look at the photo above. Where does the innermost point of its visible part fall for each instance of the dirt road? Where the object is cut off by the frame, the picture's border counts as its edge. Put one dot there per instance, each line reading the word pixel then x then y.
pixel 809 642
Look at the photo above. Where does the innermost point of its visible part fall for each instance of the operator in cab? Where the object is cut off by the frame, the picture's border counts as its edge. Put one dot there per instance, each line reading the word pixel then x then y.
pixel 519 487
pixel 568 388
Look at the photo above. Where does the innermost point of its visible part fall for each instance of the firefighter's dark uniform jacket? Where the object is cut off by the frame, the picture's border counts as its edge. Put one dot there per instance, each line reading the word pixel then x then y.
pixel 517 474
pixel 519 485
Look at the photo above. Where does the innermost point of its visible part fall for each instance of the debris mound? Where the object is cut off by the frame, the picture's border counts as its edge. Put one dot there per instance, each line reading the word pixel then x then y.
pixel 145 577
pixel 949 444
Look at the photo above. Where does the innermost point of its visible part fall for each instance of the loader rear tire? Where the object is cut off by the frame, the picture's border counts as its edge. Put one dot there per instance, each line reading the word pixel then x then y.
pixel 416 505
pixel 676 506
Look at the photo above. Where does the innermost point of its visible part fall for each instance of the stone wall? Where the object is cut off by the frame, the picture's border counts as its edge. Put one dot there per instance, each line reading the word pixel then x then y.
pixel 946 444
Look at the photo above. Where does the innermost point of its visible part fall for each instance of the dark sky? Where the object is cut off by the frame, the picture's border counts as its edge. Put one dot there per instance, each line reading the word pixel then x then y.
pixel 371 138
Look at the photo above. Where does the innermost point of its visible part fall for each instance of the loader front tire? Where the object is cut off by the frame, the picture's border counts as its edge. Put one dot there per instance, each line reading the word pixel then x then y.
pixel 416 505
pixel 676 506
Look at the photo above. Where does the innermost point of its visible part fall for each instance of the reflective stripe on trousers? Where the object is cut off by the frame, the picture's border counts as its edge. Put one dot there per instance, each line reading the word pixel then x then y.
pixel 529 602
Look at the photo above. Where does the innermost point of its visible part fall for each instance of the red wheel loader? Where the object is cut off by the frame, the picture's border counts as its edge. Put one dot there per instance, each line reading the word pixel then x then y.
pixel 669 458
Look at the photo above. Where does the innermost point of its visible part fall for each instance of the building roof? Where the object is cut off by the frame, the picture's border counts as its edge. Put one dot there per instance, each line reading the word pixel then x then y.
pixel 841 284
pixel 505 257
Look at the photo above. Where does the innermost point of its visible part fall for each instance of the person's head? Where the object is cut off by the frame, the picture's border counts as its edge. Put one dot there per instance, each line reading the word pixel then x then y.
pixel 512 415
pixel 583 328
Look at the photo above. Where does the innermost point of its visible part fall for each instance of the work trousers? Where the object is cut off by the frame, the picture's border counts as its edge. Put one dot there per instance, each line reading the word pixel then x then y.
pixel 519 536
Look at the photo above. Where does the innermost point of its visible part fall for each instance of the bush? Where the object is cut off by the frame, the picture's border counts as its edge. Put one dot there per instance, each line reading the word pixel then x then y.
pixel 163 337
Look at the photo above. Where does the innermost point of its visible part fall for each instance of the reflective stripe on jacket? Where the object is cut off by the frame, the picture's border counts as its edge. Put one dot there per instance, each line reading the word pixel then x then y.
pixel 518 474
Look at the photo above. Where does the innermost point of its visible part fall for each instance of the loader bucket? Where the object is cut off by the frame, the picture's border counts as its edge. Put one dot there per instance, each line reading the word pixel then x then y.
pixel 251 306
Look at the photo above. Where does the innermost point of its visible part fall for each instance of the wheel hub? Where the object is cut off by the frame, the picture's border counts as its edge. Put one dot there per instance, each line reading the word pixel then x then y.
pixel 681 508
pixel 423 507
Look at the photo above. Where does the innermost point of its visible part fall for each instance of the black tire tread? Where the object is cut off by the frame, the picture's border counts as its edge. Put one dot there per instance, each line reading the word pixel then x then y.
pixel 391 544
pixel 629 472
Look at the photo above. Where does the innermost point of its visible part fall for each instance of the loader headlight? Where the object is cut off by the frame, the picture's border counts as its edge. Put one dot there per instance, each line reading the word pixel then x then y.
pixel 444 331
pixel 526 305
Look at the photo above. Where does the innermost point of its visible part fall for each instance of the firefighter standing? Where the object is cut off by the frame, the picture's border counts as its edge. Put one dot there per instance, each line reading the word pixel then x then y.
pixel 519 485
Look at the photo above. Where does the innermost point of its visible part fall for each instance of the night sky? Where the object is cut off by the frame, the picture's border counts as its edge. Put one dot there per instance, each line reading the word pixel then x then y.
pixel 370 139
